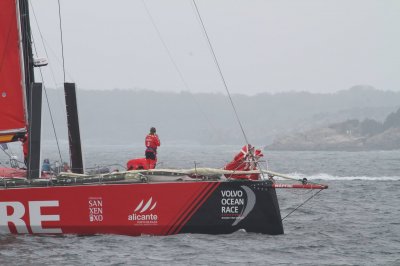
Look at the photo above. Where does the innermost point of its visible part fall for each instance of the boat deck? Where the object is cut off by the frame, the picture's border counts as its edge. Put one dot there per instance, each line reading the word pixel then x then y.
pixel 127 177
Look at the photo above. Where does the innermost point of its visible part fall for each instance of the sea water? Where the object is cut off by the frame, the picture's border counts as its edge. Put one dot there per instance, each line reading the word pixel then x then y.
pixel 355 222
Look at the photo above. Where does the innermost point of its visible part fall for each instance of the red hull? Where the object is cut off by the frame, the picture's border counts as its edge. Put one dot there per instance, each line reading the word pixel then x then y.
pixel 136 209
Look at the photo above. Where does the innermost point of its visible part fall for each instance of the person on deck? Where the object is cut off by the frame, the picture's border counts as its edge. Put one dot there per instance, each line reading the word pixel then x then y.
pixel 152 142
pixel 246 160
pixel 65 167
pixel 46 167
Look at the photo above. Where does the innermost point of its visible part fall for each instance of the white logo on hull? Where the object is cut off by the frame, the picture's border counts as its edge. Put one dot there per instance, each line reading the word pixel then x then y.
pixel 146 206
pixel 233 205
pixel 15 217
pixel 95 209
pixel 139 215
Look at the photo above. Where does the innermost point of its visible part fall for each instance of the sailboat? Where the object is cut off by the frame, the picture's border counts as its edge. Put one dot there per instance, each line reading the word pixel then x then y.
pixel 135 202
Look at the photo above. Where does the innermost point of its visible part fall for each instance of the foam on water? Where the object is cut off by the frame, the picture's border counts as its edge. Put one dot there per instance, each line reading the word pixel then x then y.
pixel 324 176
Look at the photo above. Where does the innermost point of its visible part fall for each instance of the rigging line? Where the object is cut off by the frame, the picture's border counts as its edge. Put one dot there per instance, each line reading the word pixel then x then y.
pixel 51 116
pixel 45 47
pixel 220 72
pixel 165 45
pixel 58 60
pixel 4 150
pixel 44 87
pixel 8 154
pixel 301 205
pixel 186 85
pixel 226 86
pixel 61 35
pixel 10 149
pixel 56 85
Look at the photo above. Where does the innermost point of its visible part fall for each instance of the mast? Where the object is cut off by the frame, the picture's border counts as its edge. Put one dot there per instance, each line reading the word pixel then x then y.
pixel 33 93
pixel 27 49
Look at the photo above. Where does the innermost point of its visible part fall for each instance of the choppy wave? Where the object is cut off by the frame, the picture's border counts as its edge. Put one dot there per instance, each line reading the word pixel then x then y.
pixel 323 176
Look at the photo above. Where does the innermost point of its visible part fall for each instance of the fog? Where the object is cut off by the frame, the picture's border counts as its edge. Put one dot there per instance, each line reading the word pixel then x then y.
pixel 262 46
pixel 125 116
pixel 288 64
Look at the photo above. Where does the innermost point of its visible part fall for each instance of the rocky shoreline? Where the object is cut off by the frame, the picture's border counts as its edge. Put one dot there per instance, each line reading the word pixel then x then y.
pixel 351 135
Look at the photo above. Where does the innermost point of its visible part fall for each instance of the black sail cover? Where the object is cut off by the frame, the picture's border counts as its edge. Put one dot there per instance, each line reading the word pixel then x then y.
pixel 74 137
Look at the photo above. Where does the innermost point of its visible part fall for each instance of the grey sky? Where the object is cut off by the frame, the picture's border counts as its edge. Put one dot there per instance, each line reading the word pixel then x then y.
pixel 262 46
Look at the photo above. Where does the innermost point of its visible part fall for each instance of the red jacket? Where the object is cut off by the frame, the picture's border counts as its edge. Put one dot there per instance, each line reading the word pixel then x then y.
pixel 245 160
pixel 152 142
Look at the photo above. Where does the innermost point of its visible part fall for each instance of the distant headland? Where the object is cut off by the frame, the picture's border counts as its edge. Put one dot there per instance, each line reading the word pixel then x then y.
pixel 350 135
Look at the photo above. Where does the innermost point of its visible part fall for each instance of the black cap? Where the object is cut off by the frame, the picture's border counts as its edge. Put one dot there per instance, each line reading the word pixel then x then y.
pixel 153 130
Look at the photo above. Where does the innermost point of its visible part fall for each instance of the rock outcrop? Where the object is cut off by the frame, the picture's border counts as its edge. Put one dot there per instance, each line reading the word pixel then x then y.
pixel 349 135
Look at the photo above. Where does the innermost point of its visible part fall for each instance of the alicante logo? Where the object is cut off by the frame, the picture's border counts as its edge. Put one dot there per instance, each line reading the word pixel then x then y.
pixel 143 213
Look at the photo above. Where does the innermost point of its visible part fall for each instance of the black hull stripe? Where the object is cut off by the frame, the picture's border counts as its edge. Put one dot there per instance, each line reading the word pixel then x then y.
pixel 210 190
pixel 194 199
